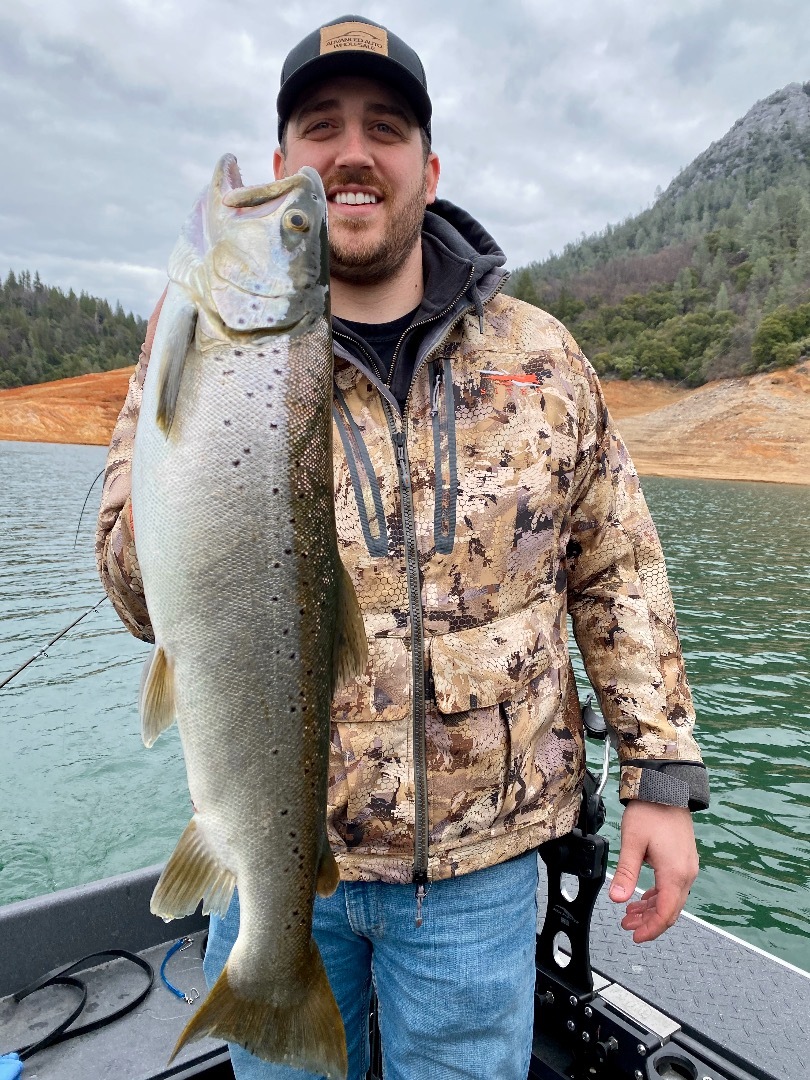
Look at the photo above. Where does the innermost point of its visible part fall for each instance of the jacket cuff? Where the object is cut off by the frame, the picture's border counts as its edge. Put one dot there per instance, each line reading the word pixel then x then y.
pixel 671 783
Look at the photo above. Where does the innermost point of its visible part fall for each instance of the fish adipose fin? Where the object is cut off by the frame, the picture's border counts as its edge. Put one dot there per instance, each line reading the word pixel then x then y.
pixel 193 873
pixel 307 1035
pixel 350 652
pixel 156 699
pixel 328 873
pixel 172 361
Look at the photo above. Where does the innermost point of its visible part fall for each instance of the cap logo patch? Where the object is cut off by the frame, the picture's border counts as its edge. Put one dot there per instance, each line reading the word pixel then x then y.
pixel 354 36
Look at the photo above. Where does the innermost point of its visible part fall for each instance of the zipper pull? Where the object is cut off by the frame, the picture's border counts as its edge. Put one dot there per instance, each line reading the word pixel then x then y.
pixel 437 387
pixel 422 887
pixel 399 443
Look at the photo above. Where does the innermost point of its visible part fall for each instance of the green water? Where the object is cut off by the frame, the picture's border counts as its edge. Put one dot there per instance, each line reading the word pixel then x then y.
pixel 80 797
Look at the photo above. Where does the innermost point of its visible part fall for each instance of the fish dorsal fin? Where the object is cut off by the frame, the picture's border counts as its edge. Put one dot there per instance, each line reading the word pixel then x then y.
pixel 156 699
pixel 193 873
pixel 178 338
pixel 350 652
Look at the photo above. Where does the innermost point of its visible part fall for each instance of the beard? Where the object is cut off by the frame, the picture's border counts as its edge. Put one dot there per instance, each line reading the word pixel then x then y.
pixel 361 260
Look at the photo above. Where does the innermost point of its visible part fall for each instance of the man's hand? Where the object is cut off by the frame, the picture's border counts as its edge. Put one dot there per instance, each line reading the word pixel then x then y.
pixel 662 837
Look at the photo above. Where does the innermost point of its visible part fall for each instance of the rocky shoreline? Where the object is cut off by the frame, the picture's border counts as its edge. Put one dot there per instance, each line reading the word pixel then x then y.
pixel 754 428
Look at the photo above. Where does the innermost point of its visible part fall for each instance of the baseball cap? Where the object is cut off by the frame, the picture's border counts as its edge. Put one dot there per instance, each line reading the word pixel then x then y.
pixel 353 45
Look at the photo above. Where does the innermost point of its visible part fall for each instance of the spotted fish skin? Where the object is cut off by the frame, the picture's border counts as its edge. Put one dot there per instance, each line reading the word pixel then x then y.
pixel 254 617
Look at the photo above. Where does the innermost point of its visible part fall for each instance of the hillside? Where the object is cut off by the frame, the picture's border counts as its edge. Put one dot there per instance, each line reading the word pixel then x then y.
pixel 737 429
pixel 714 279
pixel 46 334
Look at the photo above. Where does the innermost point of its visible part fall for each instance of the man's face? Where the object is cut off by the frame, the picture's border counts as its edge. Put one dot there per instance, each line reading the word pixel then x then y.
pixel 361 137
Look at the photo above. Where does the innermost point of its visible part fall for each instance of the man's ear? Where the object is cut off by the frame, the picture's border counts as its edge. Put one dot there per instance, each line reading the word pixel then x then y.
pixel 279 165
pixel 432 170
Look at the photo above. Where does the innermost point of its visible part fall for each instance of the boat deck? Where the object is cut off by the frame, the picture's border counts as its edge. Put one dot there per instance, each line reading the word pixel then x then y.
pixel 742 998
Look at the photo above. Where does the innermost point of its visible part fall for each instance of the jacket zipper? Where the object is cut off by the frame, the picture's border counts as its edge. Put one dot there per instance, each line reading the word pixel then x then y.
pixel 424 322
pixel 420 853
pixel 420 861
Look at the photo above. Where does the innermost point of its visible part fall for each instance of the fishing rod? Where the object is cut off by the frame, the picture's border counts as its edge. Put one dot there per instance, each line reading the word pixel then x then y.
pixel 43 651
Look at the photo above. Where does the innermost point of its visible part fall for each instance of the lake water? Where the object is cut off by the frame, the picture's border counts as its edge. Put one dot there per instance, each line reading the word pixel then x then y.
pixel 80 797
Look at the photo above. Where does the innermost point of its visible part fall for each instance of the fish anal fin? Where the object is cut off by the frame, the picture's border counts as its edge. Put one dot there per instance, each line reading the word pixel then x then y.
pixel 306 1035
pixel 156 699
pixel 193 873
pixel 172 361
pixel 328 872
pixel 350 653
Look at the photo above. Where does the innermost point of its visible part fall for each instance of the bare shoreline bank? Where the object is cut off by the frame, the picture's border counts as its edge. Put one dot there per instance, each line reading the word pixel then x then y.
pixel 753 428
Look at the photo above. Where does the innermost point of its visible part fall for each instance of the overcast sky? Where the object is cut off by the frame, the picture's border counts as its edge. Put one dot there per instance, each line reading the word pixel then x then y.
pixel 551 118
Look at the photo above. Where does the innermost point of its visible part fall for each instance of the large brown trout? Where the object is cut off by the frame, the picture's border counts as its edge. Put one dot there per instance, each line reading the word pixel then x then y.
pixel 256 620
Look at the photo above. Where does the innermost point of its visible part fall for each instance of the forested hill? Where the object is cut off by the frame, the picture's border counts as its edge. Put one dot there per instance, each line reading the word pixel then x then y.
pixel 714 279
pixel 47 334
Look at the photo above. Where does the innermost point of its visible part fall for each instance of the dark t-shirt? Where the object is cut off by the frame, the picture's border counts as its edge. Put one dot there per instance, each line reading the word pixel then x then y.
pixel 382 337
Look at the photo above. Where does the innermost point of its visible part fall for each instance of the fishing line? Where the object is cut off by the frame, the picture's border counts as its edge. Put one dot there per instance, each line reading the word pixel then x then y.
pixel 44 650
pixel 84 504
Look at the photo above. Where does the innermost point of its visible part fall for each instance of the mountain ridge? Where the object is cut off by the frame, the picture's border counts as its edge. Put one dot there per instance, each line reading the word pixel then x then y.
pixel 712 280
pixel 788 108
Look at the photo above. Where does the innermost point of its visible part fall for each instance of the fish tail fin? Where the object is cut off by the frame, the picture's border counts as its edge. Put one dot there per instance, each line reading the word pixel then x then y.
pixel 193 873
pixel 350 652
pixel 156 699
pixel 307 1035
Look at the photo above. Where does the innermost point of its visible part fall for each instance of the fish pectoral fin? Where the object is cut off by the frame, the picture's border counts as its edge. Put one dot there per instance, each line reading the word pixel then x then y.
pixel 172 362
pixel 193 873
pixel 328 873
pixel 307 1034
pixel 350 652
pixel 156 699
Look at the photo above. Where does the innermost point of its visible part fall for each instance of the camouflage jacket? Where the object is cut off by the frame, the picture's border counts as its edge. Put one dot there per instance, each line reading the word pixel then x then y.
pixel 500 500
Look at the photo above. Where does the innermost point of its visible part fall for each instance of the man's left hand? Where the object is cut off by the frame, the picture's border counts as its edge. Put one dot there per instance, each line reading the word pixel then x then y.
pixel 663 837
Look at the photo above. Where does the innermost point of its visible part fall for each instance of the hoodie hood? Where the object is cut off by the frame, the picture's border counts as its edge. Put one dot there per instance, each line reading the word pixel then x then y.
pixel 457 248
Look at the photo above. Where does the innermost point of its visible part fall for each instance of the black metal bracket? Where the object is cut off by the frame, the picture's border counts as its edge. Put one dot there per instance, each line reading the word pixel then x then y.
pixel 577 866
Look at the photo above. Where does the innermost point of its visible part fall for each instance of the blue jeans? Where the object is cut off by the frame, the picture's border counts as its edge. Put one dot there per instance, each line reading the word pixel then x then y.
pixel 456 995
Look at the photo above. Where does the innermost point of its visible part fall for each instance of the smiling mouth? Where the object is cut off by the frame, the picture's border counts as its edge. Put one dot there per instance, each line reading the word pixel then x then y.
pixel 354 198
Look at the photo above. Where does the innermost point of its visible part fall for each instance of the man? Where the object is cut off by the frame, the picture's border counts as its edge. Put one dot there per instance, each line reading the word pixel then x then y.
pixel 481 494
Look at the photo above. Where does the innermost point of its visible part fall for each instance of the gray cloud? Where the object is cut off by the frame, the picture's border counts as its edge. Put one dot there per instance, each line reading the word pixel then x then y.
pixel 550 120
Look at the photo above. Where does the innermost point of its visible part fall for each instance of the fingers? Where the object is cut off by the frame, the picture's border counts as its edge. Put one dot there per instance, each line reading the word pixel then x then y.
pixel 649 918
pixel 631 856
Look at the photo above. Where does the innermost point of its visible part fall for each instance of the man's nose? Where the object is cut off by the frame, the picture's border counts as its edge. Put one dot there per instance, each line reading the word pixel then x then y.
pixel 354 150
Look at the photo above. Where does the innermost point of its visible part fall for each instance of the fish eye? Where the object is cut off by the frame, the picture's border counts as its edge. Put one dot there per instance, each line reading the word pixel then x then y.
pixel 296 220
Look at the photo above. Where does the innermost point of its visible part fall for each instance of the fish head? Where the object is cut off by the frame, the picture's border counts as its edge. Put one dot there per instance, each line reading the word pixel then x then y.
pixel 257 258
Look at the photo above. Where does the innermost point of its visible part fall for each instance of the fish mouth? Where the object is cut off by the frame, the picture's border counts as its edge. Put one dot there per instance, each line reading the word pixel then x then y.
pixel 269 196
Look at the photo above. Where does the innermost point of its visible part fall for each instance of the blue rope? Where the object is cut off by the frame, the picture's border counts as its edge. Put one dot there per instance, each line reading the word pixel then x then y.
pixel 179 946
